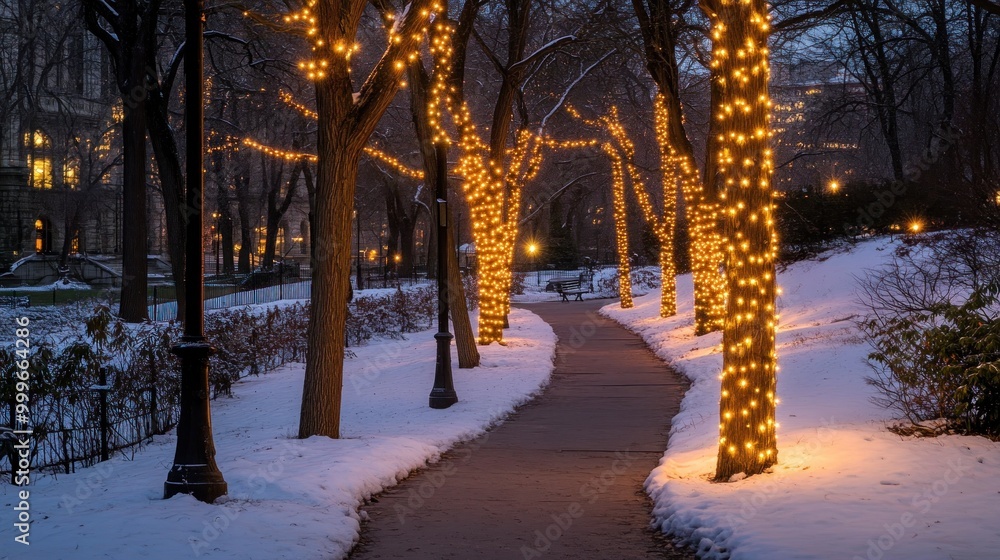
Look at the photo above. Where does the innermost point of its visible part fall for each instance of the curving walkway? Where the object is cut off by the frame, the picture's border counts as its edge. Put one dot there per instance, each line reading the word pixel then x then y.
pixel 562 477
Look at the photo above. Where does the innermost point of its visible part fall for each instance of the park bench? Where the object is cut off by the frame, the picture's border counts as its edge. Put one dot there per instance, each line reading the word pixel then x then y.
pixel 553 284
pixel 566 288
pixel 15 301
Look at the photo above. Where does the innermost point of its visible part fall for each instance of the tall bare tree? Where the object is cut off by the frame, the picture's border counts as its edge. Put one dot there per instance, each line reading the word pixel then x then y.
pixel 346 121
pixel 128 29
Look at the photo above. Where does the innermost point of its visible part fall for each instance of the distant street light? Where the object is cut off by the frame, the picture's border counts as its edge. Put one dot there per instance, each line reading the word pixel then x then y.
pixel 834 186
pixel 532 251
pixel 916 226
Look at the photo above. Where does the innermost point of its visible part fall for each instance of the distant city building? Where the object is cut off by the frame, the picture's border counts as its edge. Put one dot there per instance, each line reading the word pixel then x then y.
pixel 816 142
pixel 58 171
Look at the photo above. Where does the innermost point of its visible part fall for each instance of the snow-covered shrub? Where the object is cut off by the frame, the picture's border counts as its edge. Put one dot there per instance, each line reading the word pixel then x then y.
pixel 517 283
pixel 934 327
pixel 470 285
pixel 643 281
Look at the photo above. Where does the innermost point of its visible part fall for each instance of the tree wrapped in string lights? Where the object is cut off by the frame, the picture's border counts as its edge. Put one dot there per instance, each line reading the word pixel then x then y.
pixel 487 192
pixel 664 225
pixel 493 174
pixel 661 24
pixel 346 119
pixel 621 225
pixel 740 67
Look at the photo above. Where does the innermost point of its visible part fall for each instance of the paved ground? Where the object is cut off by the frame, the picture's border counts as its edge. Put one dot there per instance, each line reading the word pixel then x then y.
pixel 562 478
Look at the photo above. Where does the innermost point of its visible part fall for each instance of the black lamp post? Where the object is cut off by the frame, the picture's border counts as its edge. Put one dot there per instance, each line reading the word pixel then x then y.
pixel 194 471
pixel 443 394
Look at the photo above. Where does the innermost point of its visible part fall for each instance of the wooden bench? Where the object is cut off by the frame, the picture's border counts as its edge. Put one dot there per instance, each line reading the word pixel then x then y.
pixel 567 288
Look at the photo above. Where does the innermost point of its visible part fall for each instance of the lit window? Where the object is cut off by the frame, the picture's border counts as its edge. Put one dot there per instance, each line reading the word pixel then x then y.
pixel 40 237
pixel 71 173
pixel 39 160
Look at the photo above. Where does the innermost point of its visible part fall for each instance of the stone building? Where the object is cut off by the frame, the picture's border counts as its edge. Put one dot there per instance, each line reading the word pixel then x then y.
pixel 59 174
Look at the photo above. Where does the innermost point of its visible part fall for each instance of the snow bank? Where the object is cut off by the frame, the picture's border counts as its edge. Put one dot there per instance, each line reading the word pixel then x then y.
pixel 288 498
pixel 844 487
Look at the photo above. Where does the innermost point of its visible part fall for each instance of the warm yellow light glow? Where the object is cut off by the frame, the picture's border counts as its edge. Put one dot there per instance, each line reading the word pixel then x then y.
pixel 916 226
pixel 743 155
pixel 532 249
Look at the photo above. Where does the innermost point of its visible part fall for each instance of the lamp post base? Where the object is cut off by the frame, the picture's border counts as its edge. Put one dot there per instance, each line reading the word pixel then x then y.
pixel 443 394
pixel 194 470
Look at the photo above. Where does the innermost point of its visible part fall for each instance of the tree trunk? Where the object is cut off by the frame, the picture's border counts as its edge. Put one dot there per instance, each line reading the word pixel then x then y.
pixel 168 164
pixel 132 308
pixel 72 228
pixel 276 209
pixel 345 123
pixel 246 232
pixel 621 228
pixel 465 338
pixel 226 227
pixel 658 26
pixel 335 184
pixel 747 442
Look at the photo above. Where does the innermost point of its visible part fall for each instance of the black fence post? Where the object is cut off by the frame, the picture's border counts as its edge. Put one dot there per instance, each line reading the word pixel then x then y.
pixel 102 395
pixel 155 303
pixel 53 296
pixel 154 419
pixel 254 370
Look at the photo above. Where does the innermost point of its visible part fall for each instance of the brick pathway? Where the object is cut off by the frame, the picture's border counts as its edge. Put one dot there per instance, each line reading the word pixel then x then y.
pixel 562 477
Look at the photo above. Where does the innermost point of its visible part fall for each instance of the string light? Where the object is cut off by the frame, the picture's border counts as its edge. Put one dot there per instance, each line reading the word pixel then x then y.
pixel 278 153
pixel 663 225
pixel 747 428
pixel 621 226
pixel 375 153
pixel 491 188
pixel 289 100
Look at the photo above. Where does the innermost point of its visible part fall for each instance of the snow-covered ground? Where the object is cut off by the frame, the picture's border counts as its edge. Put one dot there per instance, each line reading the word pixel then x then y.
pixel 57 285
pixel 844 487
pixel 534 285
pixel 288 498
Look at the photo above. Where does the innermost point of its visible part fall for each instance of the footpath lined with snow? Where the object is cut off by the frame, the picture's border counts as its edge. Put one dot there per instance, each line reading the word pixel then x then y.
pixel 288 498
pixel 844 487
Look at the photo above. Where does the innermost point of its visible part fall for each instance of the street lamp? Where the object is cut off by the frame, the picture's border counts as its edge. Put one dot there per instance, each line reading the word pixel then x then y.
pixel 532 251
pixel 194 470
pixel 834 186
pixel 443 393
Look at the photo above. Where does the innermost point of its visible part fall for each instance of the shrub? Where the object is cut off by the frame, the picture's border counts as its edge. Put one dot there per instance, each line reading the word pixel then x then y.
pixel 517 283
pixel 643 281
pixel 932 324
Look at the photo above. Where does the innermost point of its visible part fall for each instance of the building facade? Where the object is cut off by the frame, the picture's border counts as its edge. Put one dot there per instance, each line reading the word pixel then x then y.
pixel 59 175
